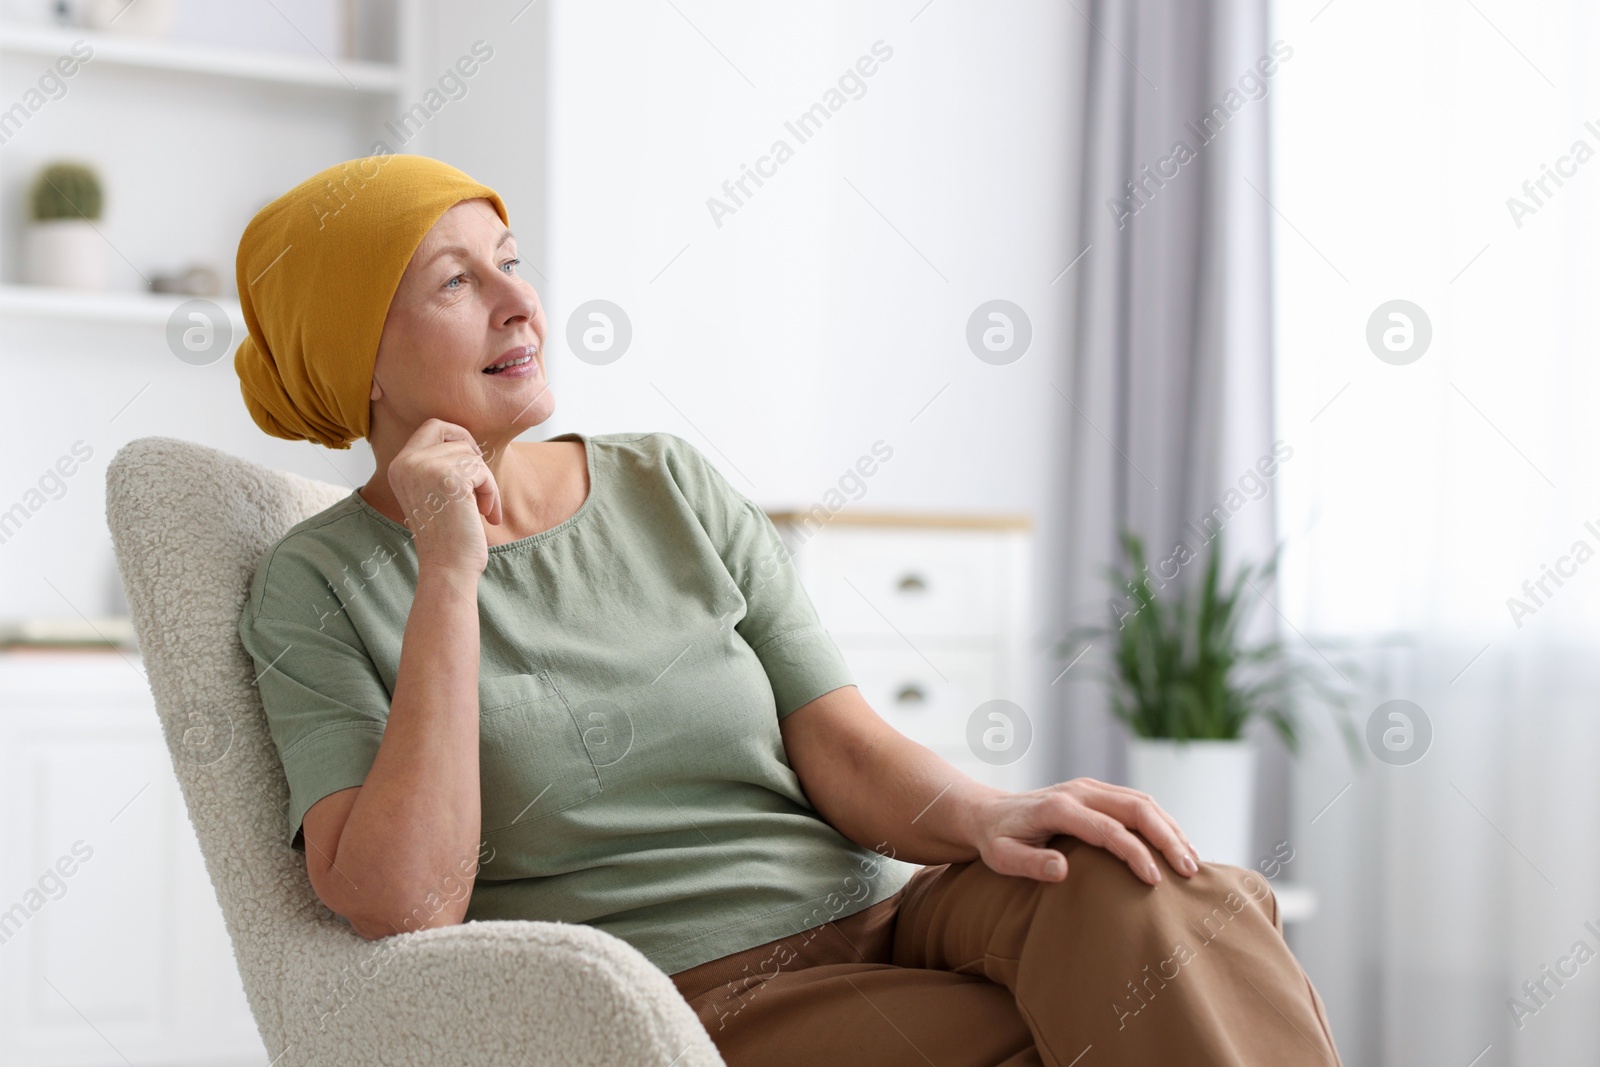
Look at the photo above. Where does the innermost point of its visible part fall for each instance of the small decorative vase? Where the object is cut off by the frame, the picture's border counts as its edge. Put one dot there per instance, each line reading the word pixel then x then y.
pixel 66 252
pixel 1207 786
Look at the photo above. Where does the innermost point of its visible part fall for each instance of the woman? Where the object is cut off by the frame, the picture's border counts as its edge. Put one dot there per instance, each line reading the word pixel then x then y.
pixel 577 680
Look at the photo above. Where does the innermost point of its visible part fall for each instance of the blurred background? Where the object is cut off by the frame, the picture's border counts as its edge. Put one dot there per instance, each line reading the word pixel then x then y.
pixel 1310 270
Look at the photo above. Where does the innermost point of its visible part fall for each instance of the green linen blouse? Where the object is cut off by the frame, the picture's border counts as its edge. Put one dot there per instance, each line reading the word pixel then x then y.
pixel 635 662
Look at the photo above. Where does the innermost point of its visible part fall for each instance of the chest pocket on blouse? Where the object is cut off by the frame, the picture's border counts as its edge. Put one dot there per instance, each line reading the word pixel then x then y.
pixel 532 761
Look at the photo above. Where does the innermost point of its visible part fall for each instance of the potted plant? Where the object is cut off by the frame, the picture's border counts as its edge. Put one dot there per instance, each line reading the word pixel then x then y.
pixel 64 247
pixel 1187 688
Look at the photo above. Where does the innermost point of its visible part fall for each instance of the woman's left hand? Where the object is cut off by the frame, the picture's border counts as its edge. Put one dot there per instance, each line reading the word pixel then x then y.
pixel 1012 827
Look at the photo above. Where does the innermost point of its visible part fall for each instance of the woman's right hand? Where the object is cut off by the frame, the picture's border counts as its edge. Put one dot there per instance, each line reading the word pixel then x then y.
pixel 443 486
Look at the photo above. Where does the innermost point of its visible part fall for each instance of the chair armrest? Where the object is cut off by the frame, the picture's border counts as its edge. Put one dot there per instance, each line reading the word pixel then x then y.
pixel 501 992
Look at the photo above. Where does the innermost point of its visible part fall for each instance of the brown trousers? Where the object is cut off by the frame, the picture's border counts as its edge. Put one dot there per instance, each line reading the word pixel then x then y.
pixel 964 967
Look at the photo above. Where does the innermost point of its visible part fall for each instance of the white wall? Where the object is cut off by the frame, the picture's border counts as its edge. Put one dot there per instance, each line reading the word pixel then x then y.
pixel 806 327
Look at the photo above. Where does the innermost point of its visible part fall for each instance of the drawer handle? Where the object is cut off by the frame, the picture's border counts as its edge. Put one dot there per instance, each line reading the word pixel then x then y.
pixel 911 694
pixel 913 583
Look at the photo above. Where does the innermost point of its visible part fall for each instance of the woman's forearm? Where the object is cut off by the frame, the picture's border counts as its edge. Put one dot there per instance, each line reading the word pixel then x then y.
pixel 886 792
pixel 415 825
pixel 878 787
pixel 910 803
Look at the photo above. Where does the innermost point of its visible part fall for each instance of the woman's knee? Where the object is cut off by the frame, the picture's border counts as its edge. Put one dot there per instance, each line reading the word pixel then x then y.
pixel 1209 899
pixel 1227 891
pixel 1252 885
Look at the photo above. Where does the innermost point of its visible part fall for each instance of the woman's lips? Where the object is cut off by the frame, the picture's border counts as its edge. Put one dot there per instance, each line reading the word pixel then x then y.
pixel 530 369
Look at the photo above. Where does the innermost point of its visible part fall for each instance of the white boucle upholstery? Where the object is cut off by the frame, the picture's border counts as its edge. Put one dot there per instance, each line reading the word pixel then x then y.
pixel 189 524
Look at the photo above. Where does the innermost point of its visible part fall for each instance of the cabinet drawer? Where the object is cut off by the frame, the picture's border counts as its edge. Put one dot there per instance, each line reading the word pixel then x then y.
pixel 912 697
pixel 919 582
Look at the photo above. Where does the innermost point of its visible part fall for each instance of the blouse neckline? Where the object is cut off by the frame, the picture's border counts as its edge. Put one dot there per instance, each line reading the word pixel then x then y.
pixel 531 539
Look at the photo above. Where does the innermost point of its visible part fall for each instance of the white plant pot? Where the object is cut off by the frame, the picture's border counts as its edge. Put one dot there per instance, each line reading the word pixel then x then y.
pixel 1207 786
pixel 66 252
pixel 143 18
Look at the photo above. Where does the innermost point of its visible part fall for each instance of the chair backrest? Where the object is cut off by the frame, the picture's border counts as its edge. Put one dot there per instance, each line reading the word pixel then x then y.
pixel 189 524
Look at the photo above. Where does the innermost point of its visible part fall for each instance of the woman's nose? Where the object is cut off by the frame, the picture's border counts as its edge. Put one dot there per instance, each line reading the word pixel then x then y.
pixel 519 300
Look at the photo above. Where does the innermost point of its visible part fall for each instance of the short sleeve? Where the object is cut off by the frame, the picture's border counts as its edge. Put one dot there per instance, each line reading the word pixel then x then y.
pixel 325 703
pixel 780 622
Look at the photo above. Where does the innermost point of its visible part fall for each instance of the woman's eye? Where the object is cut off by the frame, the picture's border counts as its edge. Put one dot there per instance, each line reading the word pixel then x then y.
pixel 508 263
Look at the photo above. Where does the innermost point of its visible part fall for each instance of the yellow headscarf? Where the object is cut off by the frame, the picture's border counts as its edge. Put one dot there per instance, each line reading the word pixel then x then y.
pixel 317 269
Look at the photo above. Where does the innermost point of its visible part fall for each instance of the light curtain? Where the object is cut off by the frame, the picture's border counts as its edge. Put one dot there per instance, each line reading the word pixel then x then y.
pixel 1444 512
pixel 1168 406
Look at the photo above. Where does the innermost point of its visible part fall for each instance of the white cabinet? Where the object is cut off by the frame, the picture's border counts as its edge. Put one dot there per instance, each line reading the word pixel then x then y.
pixel 931 612
pixel 112 947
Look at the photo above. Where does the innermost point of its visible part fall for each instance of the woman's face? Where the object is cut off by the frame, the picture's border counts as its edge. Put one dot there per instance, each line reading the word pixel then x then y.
pixel 460 309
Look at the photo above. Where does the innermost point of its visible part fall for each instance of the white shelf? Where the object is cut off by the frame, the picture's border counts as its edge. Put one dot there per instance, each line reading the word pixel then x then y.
pixel 131 308
pixel 337 73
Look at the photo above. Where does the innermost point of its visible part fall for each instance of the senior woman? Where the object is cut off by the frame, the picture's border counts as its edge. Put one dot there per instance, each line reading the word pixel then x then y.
pixel 577 680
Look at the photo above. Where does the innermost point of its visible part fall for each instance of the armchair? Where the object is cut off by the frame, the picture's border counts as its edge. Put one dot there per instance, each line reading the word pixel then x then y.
pixel 189 525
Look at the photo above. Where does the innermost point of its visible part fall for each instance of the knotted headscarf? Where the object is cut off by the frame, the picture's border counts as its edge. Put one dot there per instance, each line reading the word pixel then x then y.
pixel 317 269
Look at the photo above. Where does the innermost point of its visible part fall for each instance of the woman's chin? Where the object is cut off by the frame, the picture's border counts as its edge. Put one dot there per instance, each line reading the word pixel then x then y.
pixel 525 403
pixel 538 409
